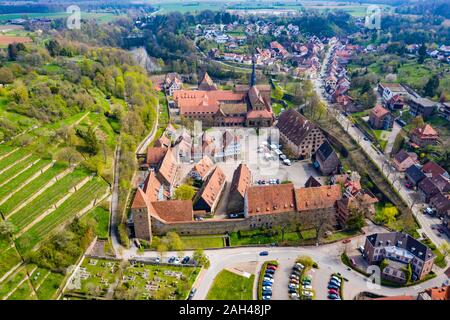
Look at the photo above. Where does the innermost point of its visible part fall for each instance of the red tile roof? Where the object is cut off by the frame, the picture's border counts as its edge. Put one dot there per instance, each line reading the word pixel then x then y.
pixel 173 210
pixel 271 199
pixel 433 168
pixel 168 168
pixel 203 166
pixel 242 179
pixel 379 111
pixel 212 187
pixel 155 155
pixel 442 293
pixel 317 197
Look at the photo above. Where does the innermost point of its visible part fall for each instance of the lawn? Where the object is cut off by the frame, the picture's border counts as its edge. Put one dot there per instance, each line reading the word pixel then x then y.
pixel 67 210
pixel 102 17
pixel 47 199
pixel 51 284
pixel 9 284
pixel 15 183
pixel 101 217
pixel 31 188
pixel 230 286
pixel 203 242
pixel 4 149
pixel 23 292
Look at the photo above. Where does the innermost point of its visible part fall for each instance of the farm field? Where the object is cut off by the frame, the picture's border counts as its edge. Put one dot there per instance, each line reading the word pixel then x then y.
pixel 102 17
pixel 78 201
pixel 20 166
pixel 31 188
pixel 16 182
pixel 37 206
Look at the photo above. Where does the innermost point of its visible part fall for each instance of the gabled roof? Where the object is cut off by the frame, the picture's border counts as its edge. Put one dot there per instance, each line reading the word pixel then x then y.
pixel 140 200
pixel 271 199
pixel 442 293
pixel 169 167
pixel 174 210
pixel 428 187
pixel 242 179
pixel 415 173
pixel 163 141
pixel 203 166
pixel 294 126
pixel 212 187
pixel 325 150
pixel 317 197
pixel 402 156
pixel 312 182
pixel 426 131
pixel 433 168
pixel 440 202
pixel 155 155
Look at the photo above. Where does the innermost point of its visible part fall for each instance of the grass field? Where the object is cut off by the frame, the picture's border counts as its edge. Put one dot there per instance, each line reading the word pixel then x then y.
pixel 101 17
pixel 203 242
pixel 230 286
pixel 15 183
pixel 31 188
pixel 9 284
pixel 101 216
pixel 66 211
pixel 44 201
pixel 8 259
pixel 4 149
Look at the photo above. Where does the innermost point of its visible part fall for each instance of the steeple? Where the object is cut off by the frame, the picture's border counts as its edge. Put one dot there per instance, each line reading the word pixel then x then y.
pixel 253 77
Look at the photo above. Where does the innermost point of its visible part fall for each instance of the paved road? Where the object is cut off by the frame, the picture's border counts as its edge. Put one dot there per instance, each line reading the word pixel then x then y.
pixel 384 164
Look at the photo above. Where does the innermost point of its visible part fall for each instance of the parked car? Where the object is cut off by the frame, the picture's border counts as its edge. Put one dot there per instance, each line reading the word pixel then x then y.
pixel 332 286
pixel 157 260
pixel 267 297
pixel 336 278
pixel 306 293
pixel 292 290
pixel 294 276
pixel 333 296
pixel 265 288
pixel 267 283
pixel 267 293
pixel 192 293
pixel 268 275
pixel 300 265
pixel 264 253
pixel 271 271
pixel 293 285
pixel 268 279
pixel 185 260
pixel 307 287
pixel 306 282
pixel 294 295
pixel 294 281
pixel 333 291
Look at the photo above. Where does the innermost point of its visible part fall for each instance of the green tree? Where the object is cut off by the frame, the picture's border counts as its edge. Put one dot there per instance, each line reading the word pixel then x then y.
pixel 184 192
pixel 422 53
pixel 174 241
pixel 417 122
pixel 386 215
pixel 307 261
pixel 200 258
pixel 355 220
pixel 445 249
pixel 383 264
pixel 278 93
pixel 432 86
pixel 6 229
pixel 6 76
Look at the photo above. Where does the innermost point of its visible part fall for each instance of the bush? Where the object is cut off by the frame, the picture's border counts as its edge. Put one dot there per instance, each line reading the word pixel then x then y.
pixel 123 236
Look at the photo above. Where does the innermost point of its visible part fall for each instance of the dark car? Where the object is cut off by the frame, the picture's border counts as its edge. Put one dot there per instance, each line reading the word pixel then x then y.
pixel 264 253
pixel 271 271
pixel 332 286
pixel 185 260
pixel 192 293
pixel 292 290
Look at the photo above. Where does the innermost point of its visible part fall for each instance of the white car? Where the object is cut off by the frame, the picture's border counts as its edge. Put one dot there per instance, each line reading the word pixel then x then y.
pixel 265 288
pixel 298 264
pixel 307 287
pixel 268 279
pixel 294 296
pixel 307 293
pixel 293 285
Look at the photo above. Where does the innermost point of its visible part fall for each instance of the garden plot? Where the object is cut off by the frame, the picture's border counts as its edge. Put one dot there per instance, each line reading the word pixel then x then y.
pixel 15 183
pixel 26 215
pixel 158 282
pixel 4 149
pixel 14 281
pixel 31 188
pixel 45 282
pixel 85 197
pixel 9 258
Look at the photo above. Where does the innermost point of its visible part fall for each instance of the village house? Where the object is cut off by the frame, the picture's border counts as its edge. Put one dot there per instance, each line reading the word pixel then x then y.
pixel 414 175
pixel 403 160
pixel 444 110
pixel 432 169
pixel 389 90
pixel 326 159
pixel 424 136
pixel 427 189
pixel 172 83
pixel 242 180
pixel 381 118
pixel 300 135
pixel 399 249
pixel 441 203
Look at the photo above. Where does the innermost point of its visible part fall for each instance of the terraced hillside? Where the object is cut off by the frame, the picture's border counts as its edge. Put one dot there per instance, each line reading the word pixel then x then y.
pixel 38 198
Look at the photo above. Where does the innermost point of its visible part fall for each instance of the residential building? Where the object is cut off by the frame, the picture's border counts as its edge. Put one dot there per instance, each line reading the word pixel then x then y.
pixel 424 136
pixel 172 83
pixel 299 134
pixel 441 203
pixel 167 170
pixel 381 118
pixel 364 201
pixel 207 84
pixel 414 175
pixel 427 189
pixel 403 160
pixel 312 183
pixel 242 180
pixel 436 293
pixel 419 106
pixel 209 195
pixel 397 102
pixel 326 159
pixel 154 156
pixel 432 169
pixel 444 110
pixel 388 90
pixel 400 249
